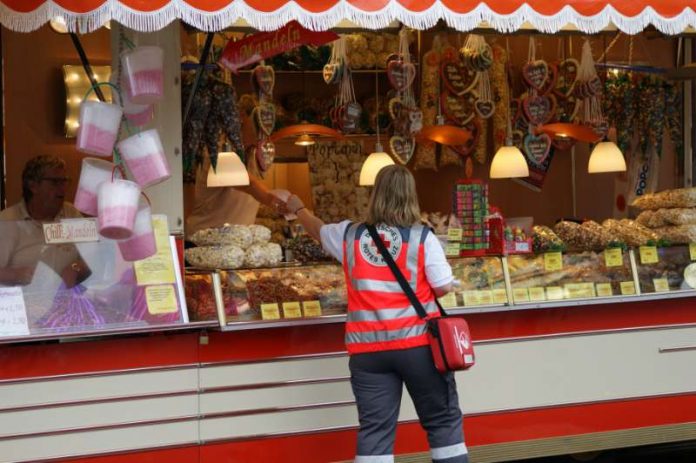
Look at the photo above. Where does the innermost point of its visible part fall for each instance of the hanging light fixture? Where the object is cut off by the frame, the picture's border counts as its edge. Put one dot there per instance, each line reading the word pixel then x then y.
pixel 378 159
pixel 562 130
pixel 304 140
pixel 606 157
pixel 230 171
pixel 508 162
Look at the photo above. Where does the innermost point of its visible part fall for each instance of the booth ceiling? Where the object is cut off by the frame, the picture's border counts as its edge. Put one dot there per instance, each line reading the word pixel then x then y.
pixel 589 16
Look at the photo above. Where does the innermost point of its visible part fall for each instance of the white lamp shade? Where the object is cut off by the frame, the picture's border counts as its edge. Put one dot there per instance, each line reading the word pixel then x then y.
pixel 509 162
pixel 230 171
pixel 606 157
pixel 372 165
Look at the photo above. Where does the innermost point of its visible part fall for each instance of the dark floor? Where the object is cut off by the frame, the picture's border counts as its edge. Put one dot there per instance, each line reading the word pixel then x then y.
pixel 651 454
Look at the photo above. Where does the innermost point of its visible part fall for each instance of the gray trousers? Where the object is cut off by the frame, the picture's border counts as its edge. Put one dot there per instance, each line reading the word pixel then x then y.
pixel 377 380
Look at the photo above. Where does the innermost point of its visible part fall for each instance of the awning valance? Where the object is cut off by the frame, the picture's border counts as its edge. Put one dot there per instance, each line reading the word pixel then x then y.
pixel 590 16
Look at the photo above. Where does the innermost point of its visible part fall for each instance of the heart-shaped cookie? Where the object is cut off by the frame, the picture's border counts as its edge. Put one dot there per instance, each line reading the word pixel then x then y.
pixel 539 109
pixel 396 105
pixel 595 86
pixel 402 148
pixel 265 117
pixel 535 73
pixel 484 108
pixel 468 148
pixel 458 79
pixel 265 153
pixel 459 110
pixel 515 109
pixel 330 73
pixel 537 148
pixel 401 74
pixel 264 76
pixel 567 76
pixel 351 117
pixel 550 83
pixel 518 138
pixel 567 107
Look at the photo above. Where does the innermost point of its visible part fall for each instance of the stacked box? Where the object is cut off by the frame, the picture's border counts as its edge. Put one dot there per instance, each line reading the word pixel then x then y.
pixel 470 205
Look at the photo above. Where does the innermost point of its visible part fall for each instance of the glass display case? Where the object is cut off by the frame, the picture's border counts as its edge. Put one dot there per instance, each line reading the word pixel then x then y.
pixel 556 276
pixel 67 280
pixel 200 295
pixel 666 269
pixel 481 283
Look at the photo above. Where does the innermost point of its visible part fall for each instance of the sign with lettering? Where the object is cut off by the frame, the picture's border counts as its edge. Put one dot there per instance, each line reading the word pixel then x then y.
pixel 13 313
pixel 311 308
pixel 71 231
pixel 257 47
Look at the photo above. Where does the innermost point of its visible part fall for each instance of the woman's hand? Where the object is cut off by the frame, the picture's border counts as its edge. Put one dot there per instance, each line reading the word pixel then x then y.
pixel 295 204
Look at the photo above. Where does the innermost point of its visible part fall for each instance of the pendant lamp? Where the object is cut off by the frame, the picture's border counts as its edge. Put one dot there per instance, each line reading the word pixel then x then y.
pixel 444 134
pixel 567 130
pixel 306 133
pixel 378 159
pixel 230 171
pixel 606 157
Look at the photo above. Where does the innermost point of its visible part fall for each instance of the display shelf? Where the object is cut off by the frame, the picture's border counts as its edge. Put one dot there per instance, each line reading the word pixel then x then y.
pixel 672 271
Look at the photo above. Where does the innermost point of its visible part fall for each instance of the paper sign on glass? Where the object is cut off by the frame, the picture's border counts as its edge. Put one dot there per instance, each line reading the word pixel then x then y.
pixel 661 285
pixel 291 310
pixel 554 293
pixel 604 290
pixel 500 296
pixel 71 231
pixel 648 255
pixel 537 294
pixel 613 257
pixel 452 250
pixel 158 269
pixel 553 261
pixel 270 311
pixel 161 299
pixel 312 308
pixel 448 300
pixel 692 251
pixel 13 313
pixel 520 295
pixel 454 234
pixel 628 288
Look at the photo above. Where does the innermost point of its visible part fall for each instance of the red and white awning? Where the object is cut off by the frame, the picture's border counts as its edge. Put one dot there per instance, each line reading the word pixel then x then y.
pixel 590 16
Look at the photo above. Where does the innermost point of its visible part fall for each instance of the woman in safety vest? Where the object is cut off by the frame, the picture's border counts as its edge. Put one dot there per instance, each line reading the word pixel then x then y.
pixel 386 340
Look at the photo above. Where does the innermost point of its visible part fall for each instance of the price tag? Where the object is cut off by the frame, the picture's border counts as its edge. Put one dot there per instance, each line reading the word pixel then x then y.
pixel 486 297
pixel 452 250
pixel 692 251
pixel 554 293
pixel 553 261
pixel 448 300
pixel 520 295
pixel 270 311
pixel 454 234
pixel 613 257
pixel 500 296
pixel 13 312
pixel 580 290
pixel 311 308
pixel 292 310
pixel 604 290
pixel 537 294
pixel 161 299
pixel 661 285
pixel 648 255
pixel 628 288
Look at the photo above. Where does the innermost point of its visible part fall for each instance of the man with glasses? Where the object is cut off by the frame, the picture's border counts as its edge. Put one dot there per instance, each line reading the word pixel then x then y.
pixel 44 183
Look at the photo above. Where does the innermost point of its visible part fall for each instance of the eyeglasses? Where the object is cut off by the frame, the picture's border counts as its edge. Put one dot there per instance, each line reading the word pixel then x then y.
pixel 57 181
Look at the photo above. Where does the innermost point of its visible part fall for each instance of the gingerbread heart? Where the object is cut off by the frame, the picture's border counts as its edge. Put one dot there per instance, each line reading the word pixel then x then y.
pixel 264 76
pixel 484 108
pixel 518 138
pixel 595 86
pixel 330 73
pixel 537 148
pixel 402 148
pixel 396 105
pixel 515 109
pixel 539 109
pixel 265 153
pixel 458 79
pixel 401 74
pixel 535 73
pixel 550 83
pixel 567 108
pixel 459 110
pixel 468 148
pixel 567 76
pixel 351 117
pixel 265 117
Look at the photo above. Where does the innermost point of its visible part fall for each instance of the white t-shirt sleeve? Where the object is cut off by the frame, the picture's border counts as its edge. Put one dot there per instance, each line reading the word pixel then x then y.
pixel 437 269
pixel 332 238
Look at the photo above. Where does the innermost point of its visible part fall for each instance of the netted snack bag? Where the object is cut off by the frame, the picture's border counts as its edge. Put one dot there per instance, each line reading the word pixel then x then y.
pixel 544 239
pixel 677 234
pixel 571 233
pixel 680 197
pixel 596 237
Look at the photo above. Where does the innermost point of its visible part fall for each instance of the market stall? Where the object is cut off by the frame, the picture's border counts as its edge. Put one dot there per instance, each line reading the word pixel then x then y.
pixel 584 329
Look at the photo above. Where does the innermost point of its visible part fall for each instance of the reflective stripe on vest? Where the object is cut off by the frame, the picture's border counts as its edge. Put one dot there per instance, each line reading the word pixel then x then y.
pixel 391 314
pixel 385 335
pixel 381 285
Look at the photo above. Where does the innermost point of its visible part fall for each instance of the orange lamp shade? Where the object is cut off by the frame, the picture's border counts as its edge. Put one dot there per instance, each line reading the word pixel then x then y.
pixel 577 131
pixel 444 134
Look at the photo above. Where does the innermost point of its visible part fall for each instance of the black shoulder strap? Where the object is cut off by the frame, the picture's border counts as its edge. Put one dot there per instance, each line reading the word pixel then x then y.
pixel 405 286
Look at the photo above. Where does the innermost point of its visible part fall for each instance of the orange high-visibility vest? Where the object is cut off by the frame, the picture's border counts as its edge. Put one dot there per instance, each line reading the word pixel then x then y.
pixel 380 316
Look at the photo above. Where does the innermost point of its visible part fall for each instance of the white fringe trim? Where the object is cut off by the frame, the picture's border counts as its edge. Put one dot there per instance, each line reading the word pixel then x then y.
pixel 207 21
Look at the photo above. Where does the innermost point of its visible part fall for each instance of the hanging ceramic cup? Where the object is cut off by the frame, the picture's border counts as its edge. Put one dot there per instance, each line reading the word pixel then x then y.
pixel 98 130
pixel 117 206
pixel 93 173
pixel 144 156
pixel 143 74
pixel 141 244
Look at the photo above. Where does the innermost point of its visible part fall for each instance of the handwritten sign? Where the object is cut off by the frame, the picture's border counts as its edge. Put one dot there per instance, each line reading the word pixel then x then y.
pixel 500 296
pixel 257 47
pixel 13 313
pixel 292 310
pixel 454 234
pixel 648 255
pixel 661 285
pixel 554 293
pixel 270 311
pixel 627 288
pixel 452 250
pixel 604 290
pixel 553 261
pixel 472 298
pixel 580 290
pixel 312 308
pixel 520 295
pixel 161 299
pixel 448 300
pixel 613 257
pixel 486 297
pixel 158 269
pixel 537 294
pixel 71 231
